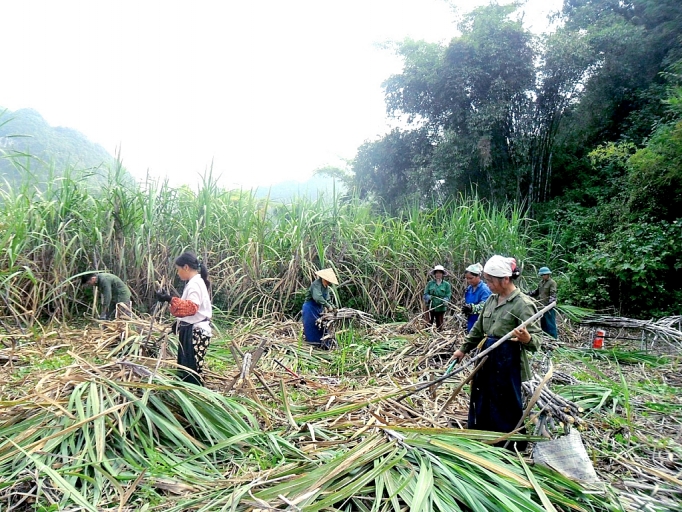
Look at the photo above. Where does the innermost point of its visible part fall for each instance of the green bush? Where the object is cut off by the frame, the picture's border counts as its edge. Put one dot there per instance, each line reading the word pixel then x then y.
pixel 637 270
pixel 656 175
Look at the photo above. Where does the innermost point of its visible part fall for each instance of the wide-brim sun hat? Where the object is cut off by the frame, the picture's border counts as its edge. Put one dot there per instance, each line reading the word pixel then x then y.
pixel 439 268
pixel 328 275
pixel 544 271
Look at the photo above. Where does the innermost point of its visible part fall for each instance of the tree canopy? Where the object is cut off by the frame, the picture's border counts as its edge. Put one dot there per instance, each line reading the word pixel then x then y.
pixel 464 105
pixel 582 125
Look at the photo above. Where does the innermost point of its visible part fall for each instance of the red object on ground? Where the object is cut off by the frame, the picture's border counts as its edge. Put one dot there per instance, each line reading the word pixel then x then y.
pixel 598 341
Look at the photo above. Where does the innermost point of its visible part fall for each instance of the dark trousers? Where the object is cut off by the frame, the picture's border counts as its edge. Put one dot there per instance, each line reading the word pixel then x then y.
pixel 187 356
pixel 548 323
pixel 310 313
pixel 437 317
pixel 496 403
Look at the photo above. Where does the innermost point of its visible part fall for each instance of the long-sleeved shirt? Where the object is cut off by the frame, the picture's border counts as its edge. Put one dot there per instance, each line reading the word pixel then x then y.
pixel 497 320
pixel 546 291
pixel 113 291
pixel 476 298
pixel 319 293
pixel 437 292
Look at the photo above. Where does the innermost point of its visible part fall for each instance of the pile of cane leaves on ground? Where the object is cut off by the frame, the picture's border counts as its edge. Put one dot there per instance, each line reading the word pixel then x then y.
pixel 91 433
pixel 96 432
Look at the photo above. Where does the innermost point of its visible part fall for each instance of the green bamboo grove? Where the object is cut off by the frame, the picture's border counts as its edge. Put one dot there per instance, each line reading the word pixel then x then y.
pixel 261 254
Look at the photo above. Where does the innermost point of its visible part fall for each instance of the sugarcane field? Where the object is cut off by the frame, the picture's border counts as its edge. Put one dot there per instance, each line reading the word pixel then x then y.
pixel 350 256
pixel 96 414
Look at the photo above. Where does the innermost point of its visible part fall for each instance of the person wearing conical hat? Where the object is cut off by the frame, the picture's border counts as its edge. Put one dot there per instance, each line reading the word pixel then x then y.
pixel 475 295
pixel 316 300
pixel 546 294
pixel 437 295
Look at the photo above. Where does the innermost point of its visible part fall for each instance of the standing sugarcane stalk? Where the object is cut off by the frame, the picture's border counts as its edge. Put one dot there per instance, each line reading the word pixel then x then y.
pixel 14 313
pixel 155 311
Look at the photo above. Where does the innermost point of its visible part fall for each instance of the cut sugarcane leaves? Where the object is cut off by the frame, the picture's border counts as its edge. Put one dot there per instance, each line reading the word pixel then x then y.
pixel 127 428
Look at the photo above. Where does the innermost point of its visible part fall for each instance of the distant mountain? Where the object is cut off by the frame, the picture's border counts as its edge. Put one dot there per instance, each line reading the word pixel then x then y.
pixel 311 188
pixel 28 144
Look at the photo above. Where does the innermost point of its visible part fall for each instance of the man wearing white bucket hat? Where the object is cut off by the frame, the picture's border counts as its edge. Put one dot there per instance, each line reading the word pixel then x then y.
pixel 496 402
pixel 316 300
pixel 437 295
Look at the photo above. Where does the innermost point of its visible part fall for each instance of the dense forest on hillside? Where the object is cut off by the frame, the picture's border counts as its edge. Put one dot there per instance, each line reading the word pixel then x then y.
pixel 583 126
pixel 31 149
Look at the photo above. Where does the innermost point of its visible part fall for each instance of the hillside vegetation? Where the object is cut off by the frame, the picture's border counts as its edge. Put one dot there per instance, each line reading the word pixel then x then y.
pixel 32 150
pixel 580 126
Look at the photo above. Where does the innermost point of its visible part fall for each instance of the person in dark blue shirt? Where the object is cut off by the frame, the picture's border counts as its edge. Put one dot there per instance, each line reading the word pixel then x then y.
pixel 475 295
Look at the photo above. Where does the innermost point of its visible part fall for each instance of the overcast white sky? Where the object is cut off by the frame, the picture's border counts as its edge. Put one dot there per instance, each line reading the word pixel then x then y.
pixel 267 90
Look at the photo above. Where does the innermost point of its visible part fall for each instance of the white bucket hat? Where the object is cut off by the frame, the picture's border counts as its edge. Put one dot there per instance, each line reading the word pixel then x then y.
pixel 328 275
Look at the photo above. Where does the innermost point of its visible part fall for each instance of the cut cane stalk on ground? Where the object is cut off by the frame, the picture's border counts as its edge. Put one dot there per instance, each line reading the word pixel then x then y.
pixel 329 438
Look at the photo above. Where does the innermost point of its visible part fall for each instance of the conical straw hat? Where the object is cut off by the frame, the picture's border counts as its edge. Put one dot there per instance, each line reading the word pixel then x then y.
pixel 328 275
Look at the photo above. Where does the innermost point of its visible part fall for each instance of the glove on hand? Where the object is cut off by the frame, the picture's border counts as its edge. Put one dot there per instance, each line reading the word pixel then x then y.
pixel 103 316
pixel 427 298
pixel 467 309
pixel 534 293
pixel 162 296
